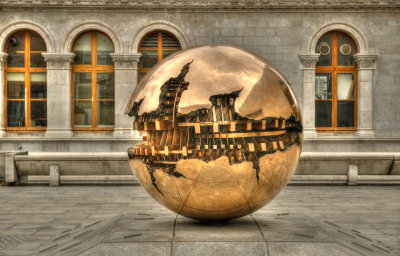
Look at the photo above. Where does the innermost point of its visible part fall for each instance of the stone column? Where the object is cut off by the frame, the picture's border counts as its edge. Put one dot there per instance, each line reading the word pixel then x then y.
pixel 365 65
pixel 58 94
pixel 308 62
pixel 125 82
pixel 3 59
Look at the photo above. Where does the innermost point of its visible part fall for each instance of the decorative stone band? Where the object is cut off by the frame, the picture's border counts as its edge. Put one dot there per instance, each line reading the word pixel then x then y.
pixel 309 61
pixel 57 61
pixel 365 61
pixel 245 4
pixel 3 59
pixel 126 60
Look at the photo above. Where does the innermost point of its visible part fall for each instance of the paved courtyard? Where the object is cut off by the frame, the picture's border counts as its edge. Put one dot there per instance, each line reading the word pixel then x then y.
pixel 124 220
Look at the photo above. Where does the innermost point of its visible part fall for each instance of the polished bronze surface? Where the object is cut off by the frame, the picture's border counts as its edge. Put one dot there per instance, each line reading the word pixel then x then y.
pixel 223 132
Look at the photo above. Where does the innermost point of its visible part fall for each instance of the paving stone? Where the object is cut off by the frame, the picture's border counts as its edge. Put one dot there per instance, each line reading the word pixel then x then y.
pixel 219 248
pixel 130 249
pixel 308 249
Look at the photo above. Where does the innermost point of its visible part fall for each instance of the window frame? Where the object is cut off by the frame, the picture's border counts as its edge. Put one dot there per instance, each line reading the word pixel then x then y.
pixel 93 69
pixel 334 69
pixel 159 49
pixel 27 70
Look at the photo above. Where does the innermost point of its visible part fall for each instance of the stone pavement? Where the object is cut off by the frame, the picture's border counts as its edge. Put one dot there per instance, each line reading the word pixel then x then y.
pixel 124 220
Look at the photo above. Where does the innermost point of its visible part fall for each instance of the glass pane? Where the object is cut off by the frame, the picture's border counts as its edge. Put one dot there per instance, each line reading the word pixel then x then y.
pixel 16 85
pixel 37 46
pixel 141 75
pixel 37 60
pixel 16 114
pixel 345 113
pixel 151 41
pixel 83 85
pixel 166 53
pixel 323 114
pixel 104 48
pixel 324 48
pixel 169 42
pixel 323 86
pixel 148 59
pixel 15 50
pixel 83 50
pixel 38 113
pixel 345 86
pixel 38 86
pixel 105 85
pixel 37 43
pixel 105 114
pixel 345 50
pixel 83 114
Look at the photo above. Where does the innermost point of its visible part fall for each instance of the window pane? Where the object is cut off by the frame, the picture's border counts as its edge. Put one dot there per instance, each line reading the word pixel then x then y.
pixel 105 85
pixel 169 42
pixel 166 53
pixel 148 59
pixel 323 86
pixel 323 114
pixel 15 50
pixel 38 86
pixel 83 114
pixel 38 113
pixel 83 85
pixel 16 114
pixel 345 113
pixel 83 50
pixel 105 114
pixel 141 75
pixel 151 41
pixel 345 50
pixel 345 86
pixel 37 44
pixel 104 48
pixel 324 48
pixel 16 85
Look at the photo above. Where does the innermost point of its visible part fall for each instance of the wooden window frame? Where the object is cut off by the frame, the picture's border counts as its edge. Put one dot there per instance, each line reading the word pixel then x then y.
pixel 94 69
pixel 159 49
pixel 27 70
pixel 334 69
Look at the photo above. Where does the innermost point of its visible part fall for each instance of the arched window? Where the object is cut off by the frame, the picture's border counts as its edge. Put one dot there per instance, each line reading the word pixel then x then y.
pixel 335 83
pixel 26 82
pixel 155 47
pixel 93 82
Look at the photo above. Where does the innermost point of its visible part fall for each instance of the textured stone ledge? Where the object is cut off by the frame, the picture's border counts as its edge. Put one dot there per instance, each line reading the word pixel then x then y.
pixel 229 4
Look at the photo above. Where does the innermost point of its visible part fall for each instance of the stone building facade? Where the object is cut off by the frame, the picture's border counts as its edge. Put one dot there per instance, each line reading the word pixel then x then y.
pixel 286 33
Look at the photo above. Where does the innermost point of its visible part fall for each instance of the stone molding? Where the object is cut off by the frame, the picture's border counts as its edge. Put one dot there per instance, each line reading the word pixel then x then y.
pixel 365 61
pixel 244 4
pixel 14 26
pixel 157 25
pixel 308 61
pixel 3 59
pixel 75 31
pixel 57 61
pixel 350 29
pixel 126 60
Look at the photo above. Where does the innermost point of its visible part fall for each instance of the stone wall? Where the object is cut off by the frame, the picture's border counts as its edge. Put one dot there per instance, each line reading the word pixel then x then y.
pixel 278 35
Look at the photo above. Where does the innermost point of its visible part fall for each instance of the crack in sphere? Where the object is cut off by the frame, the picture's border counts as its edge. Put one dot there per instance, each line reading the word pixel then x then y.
pixel 223 132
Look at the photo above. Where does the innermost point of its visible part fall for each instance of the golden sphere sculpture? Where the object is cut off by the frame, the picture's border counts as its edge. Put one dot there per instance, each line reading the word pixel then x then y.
pixel 222 132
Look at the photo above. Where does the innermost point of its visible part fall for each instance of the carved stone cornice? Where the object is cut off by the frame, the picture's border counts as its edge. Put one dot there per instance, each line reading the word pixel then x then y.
pixel 58 61
pixel 126 60
pixel 365 61
pixel 308 61
pixel 215 4
pixel 3 59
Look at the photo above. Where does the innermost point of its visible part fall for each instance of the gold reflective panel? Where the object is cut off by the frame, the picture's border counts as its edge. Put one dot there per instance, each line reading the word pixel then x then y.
pixel 223 132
